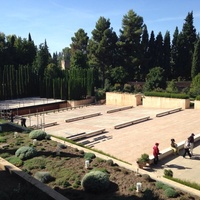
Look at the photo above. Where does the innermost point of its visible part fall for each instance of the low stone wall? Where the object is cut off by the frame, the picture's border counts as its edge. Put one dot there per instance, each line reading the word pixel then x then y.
pixel 169 152
pixel 123 99
pixel 196 104
pixel 75 103
pixel 162 102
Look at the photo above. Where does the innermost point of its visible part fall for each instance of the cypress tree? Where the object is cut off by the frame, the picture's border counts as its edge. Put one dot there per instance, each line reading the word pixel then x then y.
pixel 196 60
pixel 166 56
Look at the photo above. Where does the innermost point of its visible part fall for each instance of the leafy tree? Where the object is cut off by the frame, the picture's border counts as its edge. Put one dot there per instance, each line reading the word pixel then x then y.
pixel 118 75
pixel 196 60
pixel 195 86
pixel 42 60
pixel 171 87
pixel 52 71
pixel 129 43
pixel 155 79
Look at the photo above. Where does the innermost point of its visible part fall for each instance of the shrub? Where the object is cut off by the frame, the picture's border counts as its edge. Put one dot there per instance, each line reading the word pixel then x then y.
pixel 25 152
pixel 44 177
pixel 61 146
pixel 89 156
pixel 95 181
pixel 101 170
pixel 159 185
pixel 15 161
pixel 117 87
pixel 171 193
pixel 148 194
pixel 81 152
pixel 35 163
pixel 100 94
pixel 168 172
pixel 37 134
pixel 76 184
pixel 197 98
pixel 167 95
pixel 146 177
pixel 110 162
pixel 128 88
pixel 63 182
pixel 165 186
pixel 5 155
pixel 143 158
pixel 48 137
pixel 2 139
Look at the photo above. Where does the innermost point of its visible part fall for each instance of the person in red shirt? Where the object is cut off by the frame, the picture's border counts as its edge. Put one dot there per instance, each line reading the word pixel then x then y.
pixel 156 153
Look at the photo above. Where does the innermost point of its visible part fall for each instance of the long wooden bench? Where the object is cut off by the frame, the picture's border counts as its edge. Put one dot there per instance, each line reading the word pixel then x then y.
pixel 132 122
pixel 87 135
pixel 82 117
pixel 168 112
pixel 119 109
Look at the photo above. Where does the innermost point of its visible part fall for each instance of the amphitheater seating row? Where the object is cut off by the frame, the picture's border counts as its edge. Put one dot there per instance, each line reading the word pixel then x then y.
pixel 168 112
pixel 86 135
pixel 119 109
pixel 132 122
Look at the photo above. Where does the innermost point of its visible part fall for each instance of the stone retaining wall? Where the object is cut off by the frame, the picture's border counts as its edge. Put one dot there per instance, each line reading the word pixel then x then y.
pixel 196 104
pixel 123 99
pixel 75 103
pixel 162 102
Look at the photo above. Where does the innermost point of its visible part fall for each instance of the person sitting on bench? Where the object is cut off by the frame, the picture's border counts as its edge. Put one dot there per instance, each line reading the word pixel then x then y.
pixel 174 146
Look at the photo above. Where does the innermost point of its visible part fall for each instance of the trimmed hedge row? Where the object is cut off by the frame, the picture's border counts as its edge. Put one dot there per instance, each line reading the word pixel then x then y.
pixel 167 95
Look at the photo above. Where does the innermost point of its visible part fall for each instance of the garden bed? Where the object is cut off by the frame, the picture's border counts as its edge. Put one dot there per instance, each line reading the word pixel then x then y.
pixel 67 166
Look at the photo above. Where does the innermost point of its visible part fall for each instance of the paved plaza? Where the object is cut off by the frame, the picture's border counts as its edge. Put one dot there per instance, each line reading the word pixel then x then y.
pixel 130 142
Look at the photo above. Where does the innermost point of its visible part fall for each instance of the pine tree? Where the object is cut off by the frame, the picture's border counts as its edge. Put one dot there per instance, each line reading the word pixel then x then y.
pixel 79 49
pixel 130 43
pixel 101 48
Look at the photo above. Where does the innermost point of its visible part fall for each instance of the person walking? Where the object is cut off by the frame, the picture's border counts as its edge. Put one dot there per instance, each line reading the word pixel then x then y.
pixel 191 140
pixel 174 146
pixel 12 117
pixel 187 148
pixel 156 153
